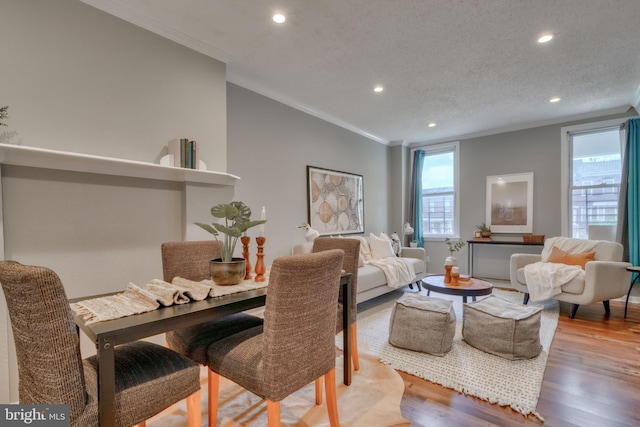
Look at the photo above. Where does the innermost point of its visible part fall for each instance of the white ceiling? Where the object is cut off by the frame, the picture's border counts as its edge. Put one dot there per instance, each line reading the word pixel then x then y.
pixel 472 66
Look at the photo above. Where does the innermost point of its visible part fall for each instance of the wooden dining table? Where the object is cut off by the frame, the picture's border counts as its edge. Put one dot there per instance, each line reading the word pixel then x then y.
pixel 110 333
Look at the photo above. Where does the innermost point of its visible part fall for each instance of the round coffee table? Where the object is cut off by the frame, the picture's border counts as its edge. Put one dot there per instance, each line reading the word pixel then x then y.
pixel 472 288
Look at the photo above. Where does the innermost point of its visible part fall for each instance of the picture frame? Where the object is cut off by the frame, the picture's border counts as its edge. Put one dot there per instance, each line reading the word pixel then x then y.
pixel 509 203
pixel 335 201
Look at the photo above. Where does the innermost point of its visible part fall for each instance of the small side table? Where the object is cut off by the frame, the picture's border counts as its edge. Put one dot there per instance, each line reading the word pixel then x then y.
pixel 633 282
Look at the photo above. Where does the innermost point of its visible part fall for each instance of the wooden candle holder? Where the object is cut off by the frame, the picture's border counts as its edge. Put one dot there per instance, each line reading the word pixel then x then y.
pixel 260 269
pixel 447 273
pixel 245 253
pixel 454 279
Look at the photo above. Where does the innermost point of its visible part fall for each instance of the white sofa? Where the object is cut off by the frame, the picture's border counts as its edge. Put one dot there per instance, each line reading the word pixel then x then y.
pixel 604 278
pixel 372 281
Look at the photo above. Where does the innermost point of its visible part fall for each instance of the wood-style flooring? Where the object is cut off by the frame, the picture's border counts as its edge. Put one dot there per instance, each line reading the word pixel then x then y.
pixel 592 379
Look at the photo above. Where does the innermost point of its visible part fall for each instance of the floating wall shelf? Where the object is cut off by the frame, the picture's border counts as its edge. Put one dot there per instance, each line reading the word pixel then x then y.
pixel 20 155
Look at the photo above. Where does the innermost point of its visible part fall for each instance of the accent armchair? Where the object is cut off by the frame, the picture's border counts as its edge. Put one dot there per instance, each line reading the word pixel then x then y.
pixel 604 277
pixel 149 377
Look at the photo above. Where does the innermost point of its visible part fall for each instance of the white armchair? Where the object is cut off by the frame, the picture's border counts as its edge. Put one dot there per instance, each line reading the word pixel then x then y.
pixel 604 278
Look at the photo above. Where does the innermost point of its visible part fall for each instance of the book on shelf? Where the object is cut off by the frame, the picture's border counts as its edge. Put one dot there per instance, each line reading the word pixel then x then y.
pixel 185 152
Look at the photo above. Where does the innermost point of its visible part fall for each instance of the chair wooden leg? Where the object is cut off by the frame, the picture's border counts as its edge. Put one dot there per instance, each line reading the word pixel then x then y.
pixel 213 382
pixel 526 299
pixel 607 308
pixel 354 347
pixel 319 391
pixel 273 413
pixel 142 424
pixel 194 411
pixel 332 397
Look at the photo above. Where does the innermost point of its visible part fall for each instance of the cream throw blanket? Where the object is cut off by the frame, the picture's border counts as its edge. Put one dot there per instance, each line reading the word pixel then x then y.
pixel 544 279
pixel 141 299
pixel 398 271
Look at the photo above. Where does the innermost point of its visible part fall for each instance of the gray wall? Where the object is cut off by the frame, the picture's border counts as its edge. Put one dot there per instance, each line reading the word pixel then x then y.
pixel 77 79
pixel 534 150
pixel 270 145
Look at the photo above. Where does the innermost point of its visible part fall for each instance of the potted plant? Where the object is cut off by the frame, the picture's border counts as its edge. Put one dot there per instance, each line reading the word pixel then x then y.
pixel 453 247
pixel 237 219
pixel 484 230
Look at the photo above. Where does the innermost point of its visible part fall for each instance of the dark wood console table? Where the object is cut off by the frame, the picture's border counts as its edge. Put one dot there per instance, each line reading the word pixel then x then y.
pixel 472 243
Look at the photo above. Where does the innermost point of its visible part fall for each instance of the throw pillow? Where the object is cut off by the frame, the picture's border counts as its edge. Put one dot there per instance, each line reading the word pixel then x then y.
pixel 365 250
pixel 562 257
pixel 380 247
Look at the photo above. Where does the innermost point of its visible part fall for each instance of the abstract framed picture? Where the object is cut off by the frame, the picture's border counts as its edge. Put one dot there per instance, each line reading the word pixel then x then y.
pixel 335 201
pixel 510 203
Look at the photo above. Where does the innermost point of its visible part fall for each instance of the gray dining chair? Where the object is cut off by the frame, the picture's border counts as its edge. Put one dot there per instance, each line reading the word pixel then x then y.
pixel 190 260
pixel 296 344
pixel 148 378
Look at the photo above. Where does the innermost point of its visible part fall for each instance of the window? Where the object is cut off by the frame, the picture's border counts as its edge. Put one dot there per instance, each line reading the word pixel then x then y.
pixel 440 216
pixel 593 168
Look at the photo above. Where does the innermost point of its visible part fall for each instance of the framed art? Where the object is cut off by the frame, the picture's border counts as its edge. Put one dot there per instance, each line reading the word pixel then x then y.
pixel 335 201
pixel 510 203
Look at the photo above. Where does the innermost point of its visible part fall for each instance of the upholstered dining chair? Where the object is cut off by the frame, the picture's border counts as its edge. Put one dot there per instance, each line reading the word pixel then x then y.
pixel 190 260
pixel 296 344
pixel 351 248
pixel 149 378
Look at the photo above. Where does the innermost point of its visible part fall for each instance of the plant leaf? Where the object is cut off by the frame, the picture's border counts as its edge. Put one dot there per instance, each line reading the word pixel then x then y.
pixel 227 211
pixel 208 228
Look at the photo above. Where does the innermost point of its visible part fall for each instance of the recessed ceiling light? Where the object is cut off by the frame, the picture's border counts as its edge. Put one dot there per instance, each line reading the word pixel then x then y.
pixel 279 18
pixel 556 99
pixel 432 125
pixel 378 88
pixel 545 38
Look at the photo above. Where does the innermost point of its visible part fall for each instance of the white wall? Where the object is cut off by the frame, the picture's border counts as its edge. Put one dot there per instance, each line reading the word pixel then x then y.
pixel 77 79
pixel 270 145
pixel 534 150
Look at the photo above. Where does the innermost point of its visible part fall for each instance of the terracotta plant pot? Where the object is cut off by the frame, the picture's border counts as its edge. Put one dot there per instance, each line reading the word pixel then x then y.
pixel 227 273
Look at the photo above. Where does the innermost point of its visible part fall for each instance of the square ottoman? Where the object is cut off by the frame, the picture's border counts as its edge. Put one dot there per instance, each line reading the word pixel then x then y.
pixel 502 328
pixel 422 323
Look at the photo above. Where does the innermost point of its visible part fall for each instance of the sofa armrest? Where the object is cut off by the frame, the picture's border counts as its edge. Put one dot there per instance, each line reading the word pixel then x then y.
pixel 418 253
pixel 517 262
pixel 606 280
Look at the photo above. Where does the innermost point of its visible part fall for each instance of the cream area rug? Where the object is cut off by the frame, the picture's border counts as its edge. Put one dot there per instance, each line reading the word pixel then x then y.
pixel 465 369
pixel 372 399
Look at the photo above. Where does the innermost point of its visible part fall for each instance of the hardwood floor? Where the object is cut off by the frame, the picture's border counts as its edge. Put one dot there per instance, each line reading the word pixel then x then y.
pixel 592 379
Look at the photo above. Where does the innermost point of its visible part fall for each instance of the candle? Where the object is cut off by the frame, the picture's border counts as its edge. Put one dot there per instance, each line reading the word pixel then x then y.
pixel 455 270
pixel 448 261
pixel 263 216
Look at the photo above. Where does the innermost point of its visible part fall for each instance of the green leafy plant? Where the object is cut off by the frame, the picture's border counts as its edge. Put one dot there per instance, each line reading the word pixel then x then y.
pixel 483 227
pixel 4 114
pixel 453 246
pixel 237 220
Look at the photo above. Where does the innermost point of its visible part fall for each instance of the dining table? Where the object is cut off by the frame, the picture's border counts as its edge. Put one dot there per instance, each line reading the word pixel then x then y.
pixel 109 333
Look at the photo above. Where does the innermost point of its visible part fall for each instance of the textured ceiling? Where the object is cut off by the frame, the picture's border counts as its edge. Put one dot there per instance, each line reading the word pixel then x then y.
pixel 473 67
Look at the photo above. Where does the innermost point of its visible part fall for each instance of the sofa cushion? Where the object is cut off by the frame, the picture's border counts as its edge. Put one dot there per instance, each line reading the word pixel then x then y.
pixel 562 257
pixel 605 251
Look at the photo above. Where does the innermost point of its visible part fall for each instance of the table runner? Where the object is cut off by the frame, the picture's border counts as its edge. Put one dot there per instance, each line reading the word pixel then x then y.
pixel 141 299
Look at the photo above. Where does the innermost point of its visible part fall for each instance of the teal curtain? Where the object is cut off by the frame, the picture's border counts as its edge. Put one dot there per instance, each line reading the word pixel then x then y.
pixel 632 156
pixel 416 197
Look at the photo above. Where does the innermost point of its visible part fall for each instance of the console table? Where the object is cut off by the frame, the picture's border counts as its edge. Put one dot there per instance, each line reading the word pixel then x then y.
pixel 472 243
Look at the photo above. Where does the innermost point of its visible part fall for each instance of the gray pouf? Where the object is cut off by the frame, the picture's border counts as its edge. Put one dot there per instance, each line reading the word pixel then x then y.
pixel 502 328
pixel 423 324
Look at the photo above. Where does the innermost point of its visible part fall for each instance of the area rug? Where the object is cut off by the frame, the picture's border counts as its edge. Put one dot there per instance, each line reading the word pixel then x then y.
pixel 372 399
pixel 464 369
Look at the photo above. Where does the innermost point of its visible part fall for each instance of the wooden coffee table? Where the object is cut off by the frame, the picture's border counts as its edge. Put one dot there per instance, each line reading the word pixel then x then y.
pixel 472 288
